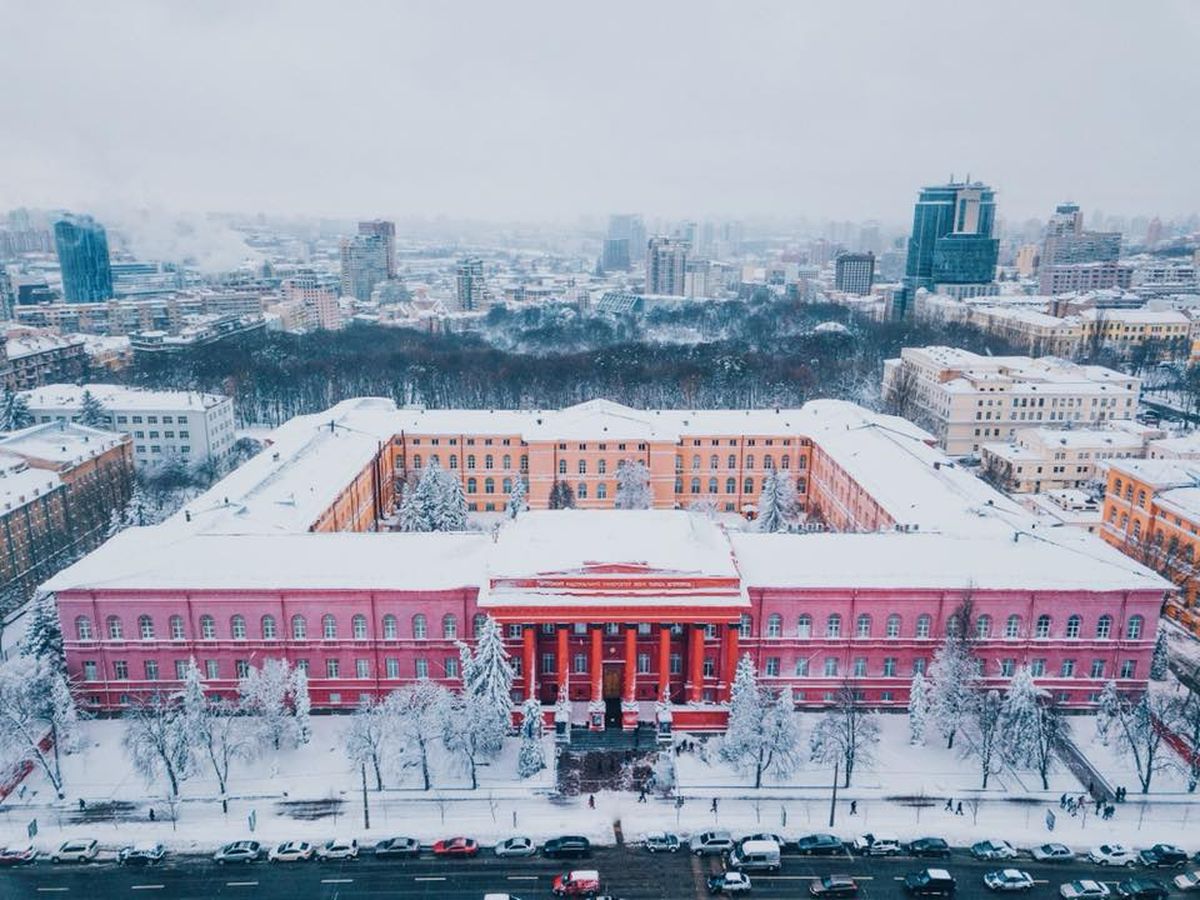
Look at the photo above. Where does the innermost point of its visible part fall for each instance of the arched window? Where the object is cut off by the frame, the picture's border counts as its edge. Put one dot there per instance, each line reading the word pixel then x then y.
pixel 1133 630
pixel 507 462
pixel 953 625
pixel 208 628
pixel 145 628
pixel 434 459
pixel 1117 487
pixel 506 485
pixel 328 627
pixel 358 626
pixel 804 626
pixel 602 466
pixel 524 463
pixel 745 625
pixel 833 626
pixel 712 485
pixel 470 460
pixel 714 461
pixel 893 626
pixel 489 462
pixel 774 625
pixel 924 625
pixel 695 485
pixel 785 463
pixel 731 485
pixel 1104 627
pixel 115 632
pixel 390 631
pixel 449 627
pixel 299 628
pixel 562 467
pixel 750 461
pixel 731 463
pixel 420 628
pixel 489 485
pixel 472 485
pixel 696 462
pixel 983 627
pixel 862 628
pixel 1073 623
pixel 581 491
pixel 237 628
pixel 1041 628
pixel 1012 626
pixel 477 623
pixel 269 632
pixel 768 462
pixel 83 628
pixel 601 491
pixel 176 625
pixel 453 461
pixel 748 485
pixel 416 460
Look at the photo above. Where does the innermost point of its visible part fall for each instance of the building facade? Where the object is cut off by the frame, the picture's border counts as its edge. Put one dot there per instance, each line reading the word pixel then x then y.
pixel 1051 459
pixel 1065 278
pixel 854 273
pixel 951 241
pixel 470 286
pixel 366 260
pixel 82 245
pixel 666 266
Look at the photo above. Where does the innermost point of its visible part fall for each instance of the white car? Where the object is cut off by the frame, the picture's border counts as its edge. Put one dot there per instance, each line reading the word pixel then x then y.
pixel 993 850
pixel 1113 855
pixel 878 845
pixel 662 842
pixel 1188 881
pixel 729 883
pixel 1053 853
pixel 338 849
pixel 1008 880
pixel 291 851
pixel 516 846
pixel 1083 890
pixel 79 850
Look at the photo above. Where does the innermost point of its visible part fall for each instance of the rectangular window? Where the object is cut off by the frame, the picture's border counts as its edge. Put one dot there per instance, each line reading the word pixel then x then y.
pixel 180 669
pixel 919 665
pixel 643 663
pixel 89 670
pixel 860 667
pixel 802 667
pixel 391 666
pixel 1067 669
pixel 451 666
pixel 889 667
pixel 772 665
pixel 1037 668
pixel 333 668
pixel 421 667
pixel 581 663
pixel 362 668
pixel 676 664
pixel 1097 668
pixel 831 666
pixel 241 667
pixel 1007 667
pixel 547 664
pixel 120 670
pixel 710 667
pixel 1128 668
pixel 151 666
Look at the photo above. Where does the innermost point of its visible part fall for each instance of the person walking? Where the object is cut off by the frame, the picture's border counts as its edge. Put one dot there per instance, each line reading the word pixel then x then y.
pixel 958 809
pixel 949 807
pixel 591 801
pixel 713 808
pixel 854 807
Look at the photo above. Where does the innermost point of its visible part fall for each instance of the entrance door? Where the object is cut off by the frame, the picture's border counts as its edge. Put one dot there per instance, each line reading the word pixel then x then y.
pixel 613 676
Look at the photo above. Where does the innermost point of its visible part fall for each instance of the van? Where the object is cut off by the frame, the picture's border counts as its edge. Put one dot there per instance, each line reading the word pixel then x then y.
pixel 579 883
pixel 930 883
pixel 755 856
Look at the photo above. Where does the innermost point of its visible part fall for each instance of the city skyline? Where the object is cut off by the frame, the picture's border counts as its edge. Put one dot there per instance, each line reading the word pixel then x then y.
pixel 550 139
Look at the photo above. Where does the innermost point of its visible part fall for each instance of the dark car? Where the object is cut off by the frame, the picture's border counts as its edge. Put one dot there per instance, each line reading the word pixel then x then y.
pixel 1142 889
pixel 833 886
pixel 239 851
pixel 1163 856
pixel 930 883
pixel 819 845
pixel 141 854
pixel 567 845
pixel 397 847
pixel 929 846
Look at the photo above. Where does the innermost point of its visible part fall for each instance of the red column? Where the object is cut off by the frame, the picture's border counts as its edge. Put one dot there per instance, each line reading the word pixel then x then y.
pixel 628 694
pixel 732 633
pixel 596 663
pixel 664 661
pixel 562 654
pixel 696 664
pixel 529 651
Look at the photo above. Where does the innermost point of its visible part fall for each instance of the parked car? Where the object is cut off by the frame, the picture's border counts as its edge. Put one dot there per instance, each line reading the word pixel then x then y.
pixel 755 856
pixel 1163 856
pixel 1142 889
pixel 501 897
pixel 710 843
pixel 1113 855
pixel 18 855
pixel 833 886
pixel 1052 853
pixel 456 846
pixel 1083 890
pixel 292 851
pixel 570 845
pixel 239 851
pixel 729 883
pixel 764 836
pixel 76 850
pixel 398 847
pixel 993 850
pixel 930 883
pixel 141 854
pixel 1188 881
pixel 579 883
pixel 1008 880
pixel 929 846
pixel 820 845
pixel 516 846
pixel 338 848
pixel 878 845
pixel 662 842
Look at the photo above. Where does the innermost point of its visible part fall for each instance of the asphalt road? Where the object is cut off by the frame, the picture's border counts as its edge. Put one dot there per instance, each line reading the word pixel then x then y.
pixel 629 873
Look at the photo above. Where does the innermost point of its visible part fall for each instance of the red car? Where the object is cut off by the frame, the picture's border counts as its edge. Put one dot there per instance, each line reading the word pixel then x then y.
pixel 456 846
pixel 17 855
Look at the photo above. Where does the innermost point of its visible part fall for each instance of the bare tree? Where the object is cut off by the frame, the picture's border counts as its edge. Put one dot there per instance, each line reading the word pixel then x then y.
pixel 1141 733
pixel 847 733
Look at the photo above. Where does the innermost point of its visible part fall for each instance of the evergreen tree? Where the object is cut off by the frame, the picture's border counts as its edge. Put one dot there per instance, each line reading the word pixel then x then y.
pixel 954 673
pixel 532 757
pixel 762 734
pixel 14 411
pixel 1160 662
pixel 435 503
pixel 633 485
pixel 918 710
pixel 137 510
pixel 301 705
pixel 116 524
pixel 517 503
pixel 562 496
pixel 487 673
pixel 1019 719
pixel 1108 709
pixel 91 410
pixel 43 636
pixel 777 502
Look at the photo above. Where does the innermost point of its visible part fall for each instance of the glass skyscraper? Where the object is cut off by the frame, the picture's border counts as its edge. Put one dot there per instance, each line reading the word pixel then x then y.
pixel 951 242
pixel 82 245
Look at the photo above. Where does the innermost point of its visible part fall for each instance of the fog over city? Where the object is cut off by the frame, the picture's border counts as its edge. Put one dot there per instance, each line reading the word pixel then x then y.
pixel 550 110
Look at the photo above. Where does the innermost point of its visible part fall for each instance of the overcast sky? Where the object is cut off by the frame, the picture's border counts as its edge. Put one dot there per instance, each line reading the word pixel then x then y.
pixel 506 110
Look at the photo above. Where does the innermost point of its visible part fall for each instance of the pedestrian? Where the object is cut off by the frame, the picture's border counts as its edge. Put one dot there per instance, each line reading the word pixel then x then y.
pixel 713 808
pixel 152 814
pixel 949 807
pixel 958 809
pixel 642 796
pixel 1062 802
pixel 854 807
pixel 1091 787
pixel 82 804
pixel 591 802
pixel 1099 805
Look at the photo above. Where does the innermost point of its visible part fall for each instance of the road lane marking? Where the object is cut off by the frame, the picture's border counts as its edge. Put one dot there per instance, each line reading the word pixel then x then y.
pixel 522 878
pixel 337 881
pixel 53 890
pixel 241 884
pixel 146 887
pixel 809 877
pixel 429 878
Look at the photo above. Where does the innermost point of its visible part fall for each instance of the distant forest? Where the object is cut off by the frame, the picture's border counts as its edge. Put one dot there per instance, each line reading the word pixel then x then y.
pixel 738 354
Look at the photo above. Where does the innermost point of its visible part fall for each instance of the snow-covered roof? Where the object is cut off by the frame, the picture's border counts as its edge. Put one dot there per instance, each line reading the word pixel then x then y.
pixel 61 442
pixel 68 397
pixel 20 484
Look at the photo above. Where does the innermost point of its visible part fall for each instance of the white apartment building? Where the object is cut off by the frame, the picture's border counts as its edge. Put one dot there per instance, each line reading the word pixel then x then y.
pixel 1052 459
pixel 967 400
pixel 165 425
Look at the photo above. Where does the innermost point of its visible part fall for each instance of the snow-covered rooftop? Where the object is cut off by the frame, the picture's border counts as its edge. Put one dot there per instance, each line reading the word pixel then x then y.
pixel 67 397
pixel 65 443
pixel 20 484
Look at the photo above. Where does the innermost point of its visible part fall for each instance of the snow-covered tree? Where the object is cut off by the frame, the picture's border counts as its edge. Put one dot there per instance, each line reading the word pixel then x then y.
pixel 987 735
pixel 451 507
pixel 116 524
pixel 1032 726
pixel 1189 729
pixel 43 635
pixel 487 673
pixel 562 496
pixel 367 736
pixel 14 411
pixel 1141 729
pixel 434 503
pixel 777 502
pixel 91 410
pixel 418 719
pixel 137 509
pixel 1160 661
pixel 472 732
pixel 35 701
pixel 532 757
pixel 633 485
pixel 417 505
pixel 157 741
pixel 265 693
pixel 301 705
pixel 216 732
pixel 1108 709
pixel 918 710
pixel 762 735
pixel 517 502
pixel 847 734
pixel 954 674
